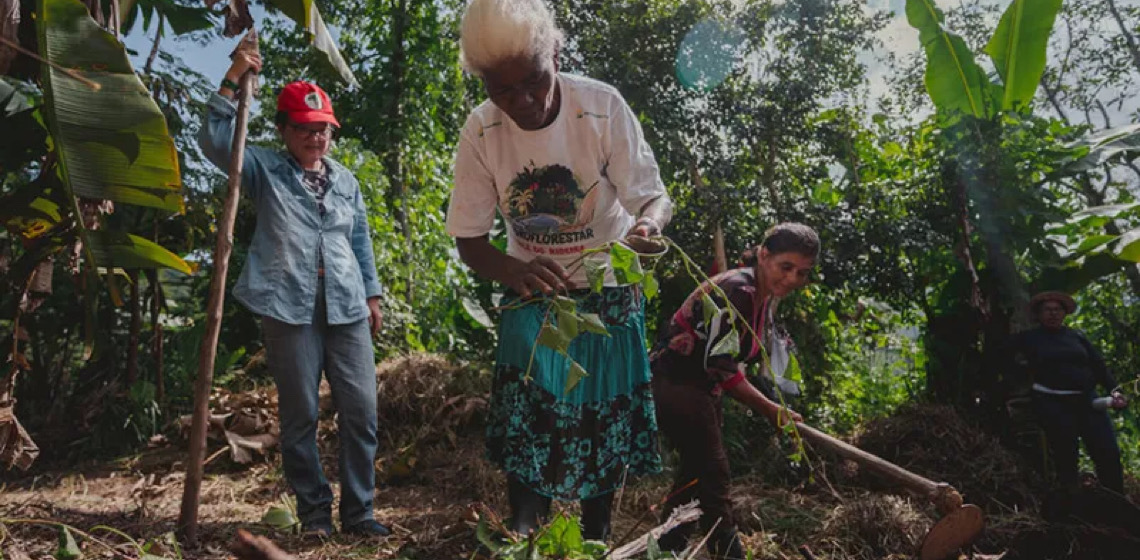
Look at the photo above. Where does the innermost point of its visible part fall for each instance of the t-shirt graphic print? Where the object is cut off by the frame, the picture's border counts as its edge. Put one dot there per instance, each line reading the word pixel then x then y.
pixel 548 201
pixel 571 186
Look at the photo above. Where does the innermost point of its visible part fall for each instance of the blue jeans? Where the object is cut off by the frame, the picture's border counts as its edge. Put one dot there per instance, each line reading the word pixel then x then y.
pixel 296 355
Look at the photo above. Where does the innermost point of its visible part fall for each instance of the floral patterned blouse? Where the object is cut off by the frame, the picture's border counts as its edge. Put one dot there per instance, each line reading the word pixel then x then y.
pixel 692 349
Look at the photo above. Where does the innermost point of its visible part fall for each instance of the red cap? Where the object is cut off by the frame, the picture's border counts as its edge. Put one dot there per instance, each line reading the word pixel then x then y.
pixel 306 103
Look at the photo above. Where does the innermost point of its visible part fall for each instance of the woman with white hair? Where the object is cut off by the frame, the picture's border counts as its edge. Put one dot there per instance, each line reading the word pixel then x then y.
pixel 563 161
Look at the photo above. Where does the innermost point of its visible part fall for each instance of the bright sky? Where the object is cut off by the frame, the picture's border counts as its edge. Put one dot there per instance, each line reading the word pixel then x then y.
pixel 212 59
pixel 898 37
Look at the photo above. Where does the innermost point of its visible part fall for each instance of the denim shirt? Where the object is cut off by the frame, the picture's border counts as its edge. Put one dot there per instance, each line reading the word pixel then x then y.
pixel 280 277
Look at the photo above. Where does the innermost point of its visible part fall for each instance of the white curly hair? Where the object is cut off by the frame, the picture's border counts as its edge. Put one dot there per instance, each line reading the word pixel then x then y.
pixel 493 30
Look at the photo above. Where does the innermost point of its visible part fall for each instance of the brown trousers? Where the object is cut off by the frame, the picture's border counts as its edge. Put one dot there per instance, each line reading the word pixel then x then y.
pixel 690 417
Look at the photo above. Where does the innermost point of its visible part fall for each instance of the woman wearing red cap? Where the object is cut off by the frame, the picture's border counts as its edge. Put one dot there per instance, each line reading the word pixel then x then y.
pixel 311 276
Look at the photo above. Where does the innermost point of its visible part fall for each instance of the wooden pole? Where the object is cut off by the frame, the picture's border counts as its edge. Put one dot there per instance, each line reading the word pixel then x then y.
pixel 188 519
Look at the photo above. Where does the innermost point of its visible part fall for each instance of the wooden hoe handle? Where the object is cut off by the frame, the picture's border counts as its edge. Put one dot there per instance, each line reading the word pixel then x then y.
pixel 944 496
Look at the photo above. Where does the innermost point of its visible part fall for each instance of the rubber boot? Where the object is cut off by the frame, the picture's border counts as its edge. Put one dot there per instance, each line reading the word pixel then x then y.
pixel 677 540
pixel 596 517
pixel 528 508
pixel 725 545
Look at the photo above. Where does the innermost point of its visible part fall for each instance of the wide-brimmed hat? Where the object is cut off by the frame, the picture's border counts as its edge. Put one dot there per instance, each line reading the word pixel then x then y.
pixel 306 102
pixel 1062 298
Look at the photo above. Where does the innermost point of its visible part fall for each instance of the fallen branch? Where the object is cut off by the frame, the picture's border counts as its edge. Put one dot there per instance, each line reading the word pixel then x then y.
pixel 251 547
pixel 687 513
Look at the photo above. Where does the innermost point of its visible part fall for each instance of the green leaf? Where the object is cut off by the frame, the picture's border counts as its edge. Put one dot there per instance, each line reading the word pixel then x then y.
pixel 279 518
pixel 305 13
pixel 550 337
pixel 1093 242
pixel 562 537
pixel 594 549
pixel 954 81
pixel 476 313
pixel 727 346
pixel 23 212
pixel 1129 246
pixel 115 249
pixel 1112 211
pixel 1079 273
pixel 568 322
pixel 709 308
pixel 652 548
pixel 595 274
pixel 592 322
pixel 112 143
pixel 794 373
pixel 483 533
pixel 574 375
pixel 564 303
pixel 67 549
pixel 1018 48
pixel 626 265
pixel 185 19
pixel 649 285
pixel 1103 147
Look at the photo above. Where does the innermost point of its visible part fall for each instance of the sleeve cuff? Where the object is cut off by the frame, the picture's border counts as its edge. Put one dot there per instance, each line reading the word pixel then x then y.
pixel 373 289
pixel 732 381
pixel 222 104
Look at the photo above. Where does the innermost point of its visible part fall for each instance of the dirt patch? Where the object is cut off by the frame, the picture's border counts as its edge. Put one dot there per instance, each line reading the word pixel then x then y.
pixel 433 477
pixel 936 442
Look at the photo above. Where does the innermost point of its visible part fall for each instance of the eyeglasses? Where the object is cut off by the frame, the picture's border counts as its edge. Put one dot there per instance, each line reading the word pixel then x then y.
pixel 325 130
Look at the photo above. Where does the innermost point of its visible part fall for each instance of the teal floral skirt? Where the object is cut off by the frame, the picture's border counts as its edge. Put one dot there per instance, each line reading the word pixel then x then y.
pixel 583 443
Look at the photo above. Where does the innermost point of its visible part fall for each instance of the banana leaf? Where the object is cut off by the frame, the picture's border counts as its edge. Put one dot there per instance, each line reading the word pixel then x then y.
pixel 115 249
pixel 1018 48
pixel 1109 146
pixel 954 81
pixel 1078 273
pixel 305 13
pixel 113 142
pixel 1128 247
pixel 182 19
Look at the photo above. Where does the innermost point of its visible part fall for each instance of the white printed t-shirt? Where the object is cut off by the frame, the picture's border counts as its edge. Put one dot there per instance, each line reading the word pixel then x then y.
pixel 571 186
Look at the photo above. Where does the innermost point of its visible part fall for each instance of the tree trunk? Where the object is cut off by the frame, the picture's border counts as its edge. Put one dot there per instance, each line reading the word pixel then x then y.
pixel 154 47
pixel 188 518
pixel 136 327
pixel 398 188
pixel 718 248
pixel 156 330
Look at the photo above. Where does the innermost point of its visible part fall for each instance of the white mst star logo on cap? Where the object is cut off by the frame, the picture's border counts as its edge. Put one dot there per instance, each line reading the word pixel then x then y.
pixel 313 100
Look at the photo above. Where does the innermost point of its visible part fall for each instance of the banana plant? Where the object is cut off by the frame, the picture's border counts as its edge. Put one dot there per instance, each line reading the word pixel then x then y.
pixel 957 85
pixel 110 141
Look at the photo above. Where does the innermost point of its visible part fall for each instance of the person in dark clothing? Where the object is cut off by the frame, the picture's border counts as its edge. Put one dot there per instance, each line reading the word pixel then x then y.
pixel 1064 369
pixel 702 354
